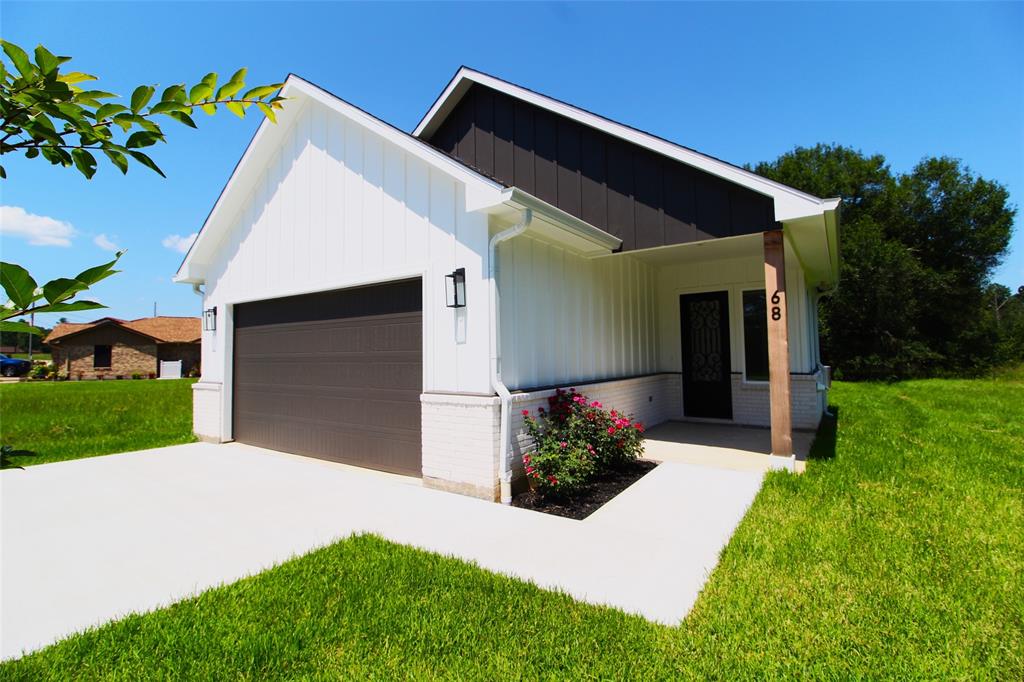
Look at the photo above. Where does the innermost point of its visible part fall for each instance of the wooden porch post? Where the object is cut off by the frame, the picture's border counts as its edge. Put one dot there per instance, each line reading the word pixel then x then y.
pixel 778 343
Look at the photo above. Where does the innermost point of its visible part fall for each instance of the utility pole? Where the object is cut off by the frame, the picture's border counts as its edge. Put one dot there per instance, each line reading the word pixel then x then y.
pixel 154 308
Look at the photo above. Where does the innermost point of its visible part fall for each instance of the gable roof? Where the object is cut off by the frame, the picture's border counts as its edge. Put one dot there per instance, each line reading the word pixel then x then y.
pixel 481 191
pixel 162 329
pixel 790 203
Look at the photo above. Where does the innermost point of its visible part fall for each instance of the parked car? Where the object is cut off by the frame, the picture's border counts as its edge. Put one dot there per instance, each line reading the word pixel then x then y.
pixel 12 367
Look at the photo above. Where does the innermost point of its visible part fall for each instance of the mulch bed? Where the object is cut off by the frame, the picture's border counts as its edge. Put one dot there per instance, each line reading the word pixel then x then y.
pixel 590 499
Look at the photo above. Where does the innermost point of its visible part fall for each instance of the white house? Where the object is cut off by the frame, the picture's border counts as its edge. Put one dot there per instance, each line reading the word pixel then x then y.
pixel 586 253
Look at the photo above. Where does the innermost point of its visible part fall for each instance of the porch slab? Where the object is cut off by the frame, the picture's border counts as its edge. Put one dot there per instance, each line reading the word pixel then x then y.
pixel 723 446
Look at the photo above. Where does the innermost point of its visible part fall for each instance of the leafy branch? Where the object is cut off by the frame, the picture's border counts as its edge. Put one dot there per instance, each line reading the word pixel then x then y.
pixel 24 296
pixel 40 106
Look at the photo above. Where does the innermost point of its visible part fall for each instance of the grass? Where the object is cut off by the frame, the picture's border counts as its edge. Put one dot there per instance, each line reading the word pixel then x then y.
pixel 72 419
pixel 897 555
pixel 36 355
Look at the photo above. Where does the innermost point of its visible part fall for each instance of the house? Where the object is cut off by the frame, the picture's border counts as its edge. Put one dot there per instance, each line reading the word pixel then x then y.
pixel 111 348
pixel 395 300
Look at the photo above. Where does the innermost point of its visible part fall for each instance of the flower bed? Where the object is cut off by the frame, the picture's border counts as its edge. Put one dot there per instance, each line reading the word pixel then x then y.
pixel 578 450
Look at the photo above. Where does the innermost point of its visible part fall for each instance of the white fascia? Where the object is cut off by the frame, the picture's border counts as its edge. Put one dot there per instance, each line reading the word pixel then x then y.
pixel 790 203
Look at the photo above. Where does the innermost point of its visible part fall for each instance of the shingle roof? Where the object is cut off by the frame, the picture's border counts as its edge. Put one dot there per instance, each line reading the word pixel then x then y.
pixel 163 328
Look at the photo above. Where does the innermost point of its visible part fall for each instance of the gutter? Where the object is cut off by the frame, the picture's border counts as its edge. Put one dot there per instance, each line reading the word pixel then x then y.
pixel 497 385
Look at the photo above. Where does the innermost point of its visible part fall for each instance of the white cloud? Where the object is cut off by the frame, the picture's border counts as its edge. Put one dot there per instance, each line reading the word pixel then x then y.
pixel 176 242
pixel 38 230
pixel 104 242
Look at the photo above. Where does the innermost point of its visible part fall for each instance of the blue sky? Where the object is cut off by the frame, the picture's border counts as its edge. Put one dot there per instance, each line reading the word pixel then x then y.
pixel 743 82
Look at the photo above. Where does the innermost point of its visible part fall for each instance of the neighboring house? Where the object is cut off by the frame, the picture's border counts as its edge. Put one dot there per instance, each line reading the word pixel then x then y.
pixel 110 348
pixel 593 255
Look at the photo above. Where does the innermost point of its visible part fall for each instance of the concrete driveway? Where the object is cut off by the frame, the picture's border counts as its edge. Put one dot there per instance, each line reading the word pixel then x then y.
pixel 87 541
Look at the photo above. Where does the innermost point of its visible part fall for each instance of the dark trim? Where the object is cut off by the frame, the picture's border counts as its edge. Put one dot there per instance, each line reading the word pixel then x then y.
pixel 589 382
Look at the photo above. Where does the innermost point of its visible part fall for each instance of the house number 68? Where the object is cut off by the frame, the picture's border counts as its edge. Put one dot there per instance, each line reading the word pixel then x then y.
pixel 776 309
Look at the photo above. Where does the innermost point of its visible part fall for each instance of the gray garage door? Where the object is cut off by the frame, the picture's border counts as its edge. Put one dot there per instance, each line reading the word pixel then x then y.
pixel 335 375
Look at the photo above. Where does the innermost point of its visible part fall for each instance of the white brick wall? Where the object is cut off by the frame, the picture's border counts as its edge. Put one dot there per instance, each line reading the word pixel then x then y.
pixel 751 403
pixel 650 400
pixel 460 443
pixel 206 411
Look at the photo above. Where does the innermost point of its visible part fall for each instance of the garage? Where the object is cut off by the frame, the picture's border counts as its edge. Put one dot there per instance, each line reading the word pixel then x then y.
pixel 335 375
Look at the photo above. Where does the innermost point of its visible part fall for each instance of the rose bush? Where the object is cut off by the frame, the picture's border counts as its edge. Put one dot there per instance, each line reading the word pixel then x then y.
pixel 574 439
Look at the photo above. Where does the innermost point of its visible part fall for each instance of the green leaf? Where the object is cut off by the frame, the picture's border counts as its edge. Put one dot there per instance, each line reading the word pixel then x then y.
pixel 236 108
pixel 141 97
pixel 46 61
pixel 99 272
pixel 75 77
pixel 84 162
pixel 118 159
pixel 146 161
pixel 236 83
pixel 171 93
pixel 208 109
pixel 267 111
pixel 31 152
pixel 142 138
pixel 3 173
pixel 20 327
pixel 199 92
pixel 210 81
pixel 62 288
pixel 165 107
pixel 19 285
pixel 71 307
pixel 108 110
pixel 182 117
pixel 19 59
pixel 262 91
pixel 95 94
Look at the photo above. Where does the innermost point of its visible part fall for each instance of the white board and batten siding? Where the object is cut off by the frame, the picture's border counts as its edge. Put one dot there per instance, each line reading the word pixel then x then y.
pixel 339 206
pixel 568 319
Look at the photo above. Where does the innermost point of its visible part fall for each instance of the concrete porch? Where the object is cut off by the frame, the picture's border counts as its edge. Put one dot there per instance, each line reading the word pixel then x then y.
pixel 724 446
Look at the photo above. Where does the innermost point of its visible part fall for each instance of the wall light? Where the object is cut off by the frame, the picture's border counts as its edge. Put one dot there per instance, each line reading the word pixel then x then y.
pixel 210 319
pixel 455 289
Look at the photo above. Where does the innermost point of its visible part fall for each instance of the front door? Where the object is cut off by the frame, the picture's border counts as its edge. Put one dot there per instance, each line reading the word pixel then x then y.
pixel 707 371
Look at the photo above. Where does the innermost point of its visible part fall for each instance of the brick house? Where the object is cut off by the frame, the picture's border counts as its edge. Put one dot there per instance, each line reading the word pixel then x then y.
pixel 111 348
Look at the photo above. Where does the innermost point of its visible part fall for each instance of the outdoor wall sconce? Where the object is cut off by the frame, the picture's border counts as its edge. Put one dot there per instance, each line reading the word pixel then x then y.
pixel 210 320
pixel 455 289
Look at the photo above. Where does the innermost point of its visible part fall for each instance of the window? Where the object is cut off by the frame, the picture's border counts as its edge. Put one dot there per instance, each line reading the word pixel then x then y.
pixel 755 335
pixel 101 356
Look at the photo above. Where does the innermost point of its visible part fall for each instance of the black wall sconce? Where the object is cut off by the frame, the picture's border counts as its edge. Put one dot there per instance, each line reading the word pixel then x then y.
pixel 210 319
pixel 455 289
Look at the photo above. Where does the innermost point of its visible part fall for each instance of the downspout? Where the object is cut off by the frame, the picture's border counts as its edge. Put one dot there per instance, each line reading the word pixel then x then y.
pixel 497 385
pixel 196 290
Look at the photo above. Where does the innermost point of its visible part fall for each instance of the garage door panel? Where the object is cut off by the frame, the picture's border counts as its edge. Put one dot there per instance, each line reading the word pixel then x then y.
pixel 335 375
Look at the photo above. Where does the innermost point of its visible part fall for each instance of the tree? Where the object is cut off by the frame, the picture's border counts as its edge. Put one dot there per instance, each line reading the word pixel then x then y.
pixel 917 252
pixel 37 97
pixel 45 114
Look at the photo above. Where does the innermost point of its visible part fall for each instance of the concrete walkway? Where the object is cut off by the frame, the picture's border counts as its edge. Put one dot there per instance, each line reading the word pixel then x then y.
pixel 90 540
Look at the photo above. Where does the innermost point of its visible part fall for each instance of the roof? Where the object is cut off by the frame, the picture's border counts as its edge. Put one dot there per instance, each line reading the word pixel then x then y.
pixel 162 329
pixel 790 203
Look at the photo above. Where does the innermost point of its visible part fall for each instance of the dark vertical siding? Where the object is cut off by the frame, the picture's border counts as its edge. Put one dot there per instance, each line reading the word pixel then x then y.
pixel 569 167
pixel 525 178
pixel 504 134
pixel 643 198
pixel 545 156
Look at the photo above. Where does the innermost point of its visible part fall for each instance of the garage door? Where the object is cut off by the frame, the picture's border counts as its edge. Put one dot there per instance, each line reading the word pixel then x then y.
pixel 334 375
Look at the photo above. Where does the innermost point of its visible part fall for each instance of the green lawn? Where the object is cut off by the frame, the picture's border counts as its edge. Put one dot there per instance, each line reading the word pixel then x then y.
pixel 73 419
pixel 897 555
pixel 36 355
